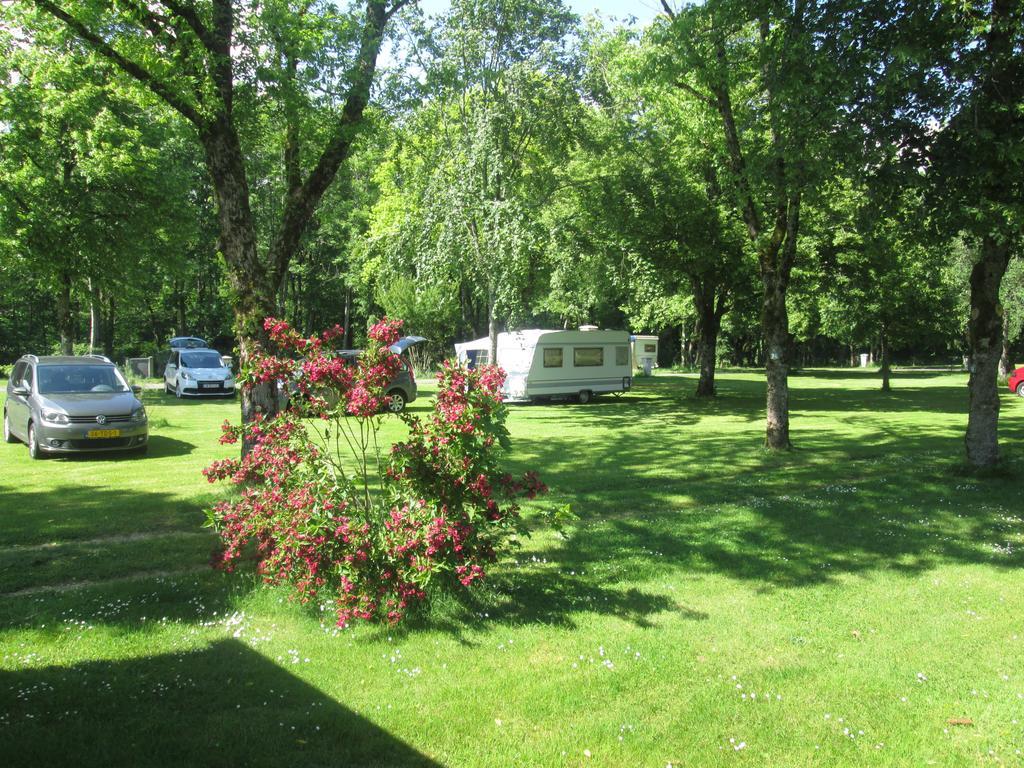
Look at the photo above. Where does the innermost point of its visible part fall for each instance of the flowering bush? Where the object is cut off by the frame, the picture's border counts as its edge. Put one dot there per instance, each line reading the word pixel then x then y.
pixel 327 513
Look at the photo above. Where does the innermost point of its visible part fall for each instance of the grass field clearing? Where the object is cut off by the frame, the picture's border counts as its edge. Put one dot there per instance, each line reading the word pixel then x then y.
pixel 714 605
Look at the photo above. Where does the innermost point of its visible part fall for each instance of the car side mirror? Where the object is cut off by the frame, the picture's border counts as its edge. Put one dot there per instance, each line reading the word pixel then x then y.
pixel 20 390
pixel 136 389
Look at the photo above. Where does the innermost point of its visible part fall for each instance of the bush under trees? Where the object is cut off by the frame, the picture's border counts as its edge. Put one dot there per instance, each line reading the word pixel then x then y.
pixel 323 509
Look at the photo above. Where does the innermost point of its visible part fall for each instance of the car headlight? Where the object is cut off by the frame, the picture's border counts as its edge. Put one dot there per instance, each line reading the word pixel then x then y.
pixel 55 417
pixel 186 375
pixel 139 414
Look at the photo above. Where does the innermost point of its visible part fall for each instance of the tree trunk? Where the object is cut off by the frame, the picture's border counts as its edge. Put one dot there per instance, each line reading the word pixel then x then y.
pixel 1005 364
pixel 985 330
pixel 108 329
pixel 883 345
pixel 95 317
pixel 710 302
pixel 248 276
pixel 65 317
pixel 683 351
pixel 179 309
pixel 348 317
pixel 775 322
pixel 690 351
pixel 708 354
pixel 492 327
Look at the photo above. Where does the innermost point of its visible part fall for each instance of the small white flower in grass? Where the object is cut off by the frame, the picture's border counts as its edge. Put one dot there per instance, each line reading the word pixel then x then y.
pixel 497 722
pixel 921 677
pixel 586 753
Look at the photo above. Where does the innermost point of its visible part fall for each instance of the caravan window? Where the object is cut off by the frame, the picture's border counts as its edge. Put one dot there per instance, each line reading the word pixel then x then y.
pixel 553 357
pixel 650 348
pixel 622 355
pixel 585 357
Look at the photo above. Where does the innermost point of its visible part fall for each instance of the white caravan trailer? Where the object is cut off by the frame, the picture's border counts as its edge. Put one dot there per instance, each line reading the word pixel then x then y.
pixel 645 352
pixel 541 364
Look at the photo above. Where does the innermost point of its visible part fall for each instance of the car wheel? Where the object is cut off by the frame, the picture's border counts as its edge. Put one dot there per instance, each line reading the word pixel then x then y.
pixel 584 397
pixel 1020 389
pixel 394 401
pixel 34 451
pixel 8 435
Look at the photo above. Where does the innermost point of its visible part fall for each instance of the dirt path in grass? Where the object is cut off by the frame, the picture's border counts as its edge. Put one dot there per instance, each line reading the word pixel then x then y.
pixel 137 576
pixel 122 538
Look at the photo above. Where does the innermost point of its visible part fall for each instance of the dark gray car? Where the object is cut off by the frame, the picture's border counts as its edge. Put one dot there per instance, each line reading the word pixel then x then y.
pixel 401 389
pixel 73 404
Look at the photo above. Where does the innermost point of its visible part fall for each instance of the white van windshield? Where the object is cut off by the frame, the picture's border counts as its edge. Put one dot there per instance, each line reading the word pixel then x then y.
pixel 74 379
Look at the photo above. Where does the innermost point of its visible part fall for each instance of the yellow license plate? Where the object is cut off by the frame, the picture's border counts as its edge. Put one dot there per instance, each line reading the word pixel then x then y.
pixel 103 433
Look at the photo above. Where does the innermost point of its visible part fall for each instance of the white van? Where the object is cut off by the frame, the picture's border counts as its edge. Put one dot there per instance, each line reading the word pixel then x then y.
pixel 541 364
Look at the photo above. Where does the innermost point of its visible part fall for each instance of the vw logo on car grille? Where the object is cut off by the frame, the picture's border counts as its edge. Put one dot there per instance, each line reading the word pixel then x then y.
pixel 101 419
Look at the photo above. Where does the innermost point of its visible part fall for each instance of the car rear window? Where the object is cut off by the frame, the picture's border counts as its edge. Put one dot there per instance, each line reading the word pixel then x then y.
pixel 205 359
pixel 72 379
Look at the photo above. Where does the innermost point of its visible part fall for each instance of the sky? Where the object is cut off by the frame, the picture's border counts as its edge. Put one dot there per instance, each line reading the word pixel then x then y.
pixel 644 10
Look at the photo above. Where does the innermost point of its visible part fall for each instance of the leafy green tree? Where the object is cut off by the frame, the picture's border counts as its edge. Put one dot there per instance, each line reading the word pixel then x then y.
pixel 218 64
pixel 977 169
pixel 645 180
pixel 90 202
pixel 779 78
pixel 877 281
pixel 1011 295
pixel 472 168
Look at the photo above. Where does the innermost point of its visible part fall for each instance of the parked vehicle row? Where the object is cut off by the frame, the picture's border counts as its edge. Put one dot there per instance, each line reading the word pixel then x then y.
pixel 64 404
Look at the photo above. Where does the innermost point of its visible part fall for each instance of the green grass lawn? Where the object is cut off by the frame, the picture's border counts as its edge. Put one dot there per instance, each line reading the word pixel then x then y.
pixel 714 604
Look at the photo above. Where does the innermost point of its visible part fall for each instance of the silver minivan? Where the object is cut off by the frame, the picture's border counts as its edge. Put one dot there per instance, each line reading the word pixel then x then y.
pixel 64 404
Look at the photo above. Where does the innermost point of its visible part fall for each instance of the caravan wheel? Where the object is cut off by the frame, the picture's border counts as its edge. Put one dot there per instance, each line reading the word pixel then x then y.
pixel 584 396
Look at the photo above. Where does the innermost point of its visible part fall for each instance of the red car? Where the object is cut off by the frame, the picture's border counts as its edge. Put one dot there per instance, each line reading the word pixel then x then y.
pixel 1016 381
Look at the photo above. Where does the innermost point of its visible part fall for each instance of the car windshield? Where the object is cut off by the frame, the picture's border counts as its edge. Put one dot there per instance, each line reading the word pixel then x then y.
pixel 72 379
pixel 204 359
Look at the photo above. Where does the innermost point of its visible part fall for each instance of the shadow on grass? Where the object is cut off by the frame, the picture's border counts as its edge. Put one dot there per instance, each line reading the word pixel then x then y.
pixel 540 596
pixel 884 496
pixel 659 493
pixel 225 705
pixel 160 398
pixel 65 512
pixel 159 446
